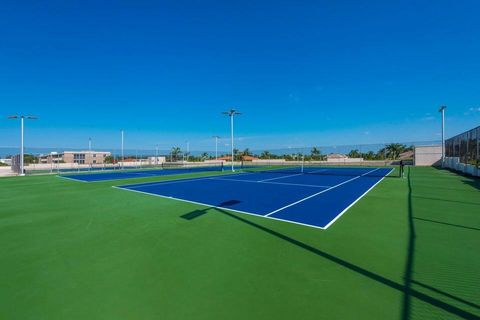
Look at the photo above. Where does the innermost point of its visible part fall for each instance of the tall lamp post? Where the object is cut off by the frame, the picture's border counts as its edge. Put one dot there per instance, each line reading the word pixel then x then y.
pixel 22 117
pixel 216 146
pixel 187 154
pixel 442 110
pixel 231 113
pixel 123 159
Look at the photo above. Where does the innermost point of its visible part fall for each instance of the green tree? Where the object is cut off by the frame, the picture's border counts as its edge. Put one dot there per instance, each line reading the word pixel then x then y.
pixel 109 159
pixel 236 154
pixel 176 153
pixel 394 149
pixel 265 155
pixel 29 158
pixel 370 155
pixel 354 154
pixel 315 153
pixel 246 152
pixel 381 154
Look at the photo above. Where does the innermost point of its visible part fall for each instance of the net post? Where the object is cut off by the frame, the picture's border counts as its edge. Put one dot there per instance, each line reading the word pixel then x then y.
pixel 303 163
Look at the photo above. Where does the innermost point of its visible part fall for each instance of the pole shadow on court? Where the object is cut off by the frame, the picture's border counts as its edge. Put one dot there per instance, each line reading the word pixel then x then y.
pixel 406 289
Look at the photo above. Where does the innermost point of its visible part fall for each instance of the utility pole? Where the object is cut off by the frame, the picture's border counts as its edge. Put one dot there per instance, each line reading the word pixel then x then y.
pixel 216 146
pixel 231 113
pixel 22 118
pixel 122 151
pixel 442 110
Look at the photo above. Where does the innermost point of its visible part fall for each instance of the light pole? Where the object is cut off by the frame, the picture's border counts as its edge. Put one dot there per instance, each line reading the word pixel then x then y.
pixel 21 117
pixel 122 151
pixel 231 113
pixel 187 155
pixel 216 146
pixel 89 144
pixel 156 155
pixel 442 110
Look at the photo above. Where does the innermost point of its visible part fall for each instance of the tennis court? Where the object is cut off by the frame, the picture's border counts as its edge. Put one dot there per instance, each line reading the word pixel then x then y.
pixel 314 196
pixel 166 169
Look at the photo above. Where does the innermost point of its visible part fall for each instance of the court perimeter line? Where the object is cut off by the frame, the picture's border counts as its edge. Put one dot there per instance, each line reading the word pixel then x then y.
pixel 318 193
pixel 218 207
pixel 281 183
pixel 172 181
pixel 291 175
pixel 358 199
pixel 72 179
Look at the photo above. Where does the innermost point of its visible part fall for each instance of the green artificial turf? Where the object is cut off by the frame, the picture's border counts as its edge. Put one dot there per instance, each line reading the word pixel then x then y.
pixel 72 250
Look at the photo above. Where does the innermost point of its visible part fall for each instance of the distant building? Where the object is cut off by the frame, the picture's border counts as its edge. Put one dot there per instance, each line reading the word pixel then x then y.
pixel 6 161
pixel 336 157
pixel 157 160
pixel 249 158
pixel 80 157
pixel 428 155
pixel 407 155
pixel 243 158
pixel 52 157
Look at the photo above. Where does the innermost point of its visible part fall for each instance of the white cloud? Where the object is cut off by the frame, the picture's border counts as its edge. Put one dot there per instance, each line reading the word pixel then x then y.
pixel 474 109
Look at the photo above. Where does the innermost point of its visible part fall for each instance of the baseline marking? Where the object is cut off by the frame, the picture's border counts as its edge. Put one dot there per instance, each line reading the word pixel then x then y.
pixel 218 207
pixel 318 193
pixel 282 177
pixel 358 199
pixel 180 180
pixel 280 183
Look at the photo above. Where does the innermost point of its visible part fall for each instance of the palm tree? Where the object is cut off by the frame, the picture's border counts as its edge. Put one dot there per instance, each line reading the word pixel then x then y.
pixel 205 156
pixel 315 153
pixel 394 149
pixel 175 152
pixel 265 155
pixel 246 152
pixel 381 154
pixel 370 155
pixel 354 154
pixel 235 154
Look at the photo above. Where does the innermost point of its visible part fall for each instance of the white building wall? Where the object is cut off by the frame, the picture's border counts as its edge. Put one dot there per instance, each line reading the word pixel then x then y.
pixel 428 156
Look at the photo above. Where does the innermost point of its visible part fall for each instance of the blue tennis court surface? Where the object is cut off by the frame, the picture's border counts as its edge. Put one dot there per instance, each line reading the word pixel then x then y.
pixel 315 198
pixel 129 174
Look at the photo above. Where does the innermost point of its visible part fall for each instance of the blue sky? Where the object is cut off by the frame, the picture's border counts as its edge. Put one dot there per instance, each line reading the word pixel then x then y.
pixel 302 72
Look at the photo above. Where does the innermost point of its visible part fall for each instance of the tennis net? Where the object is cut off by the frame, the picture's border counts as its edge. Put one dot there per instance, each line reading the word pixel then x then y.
pixel 193 166
pixel 340 169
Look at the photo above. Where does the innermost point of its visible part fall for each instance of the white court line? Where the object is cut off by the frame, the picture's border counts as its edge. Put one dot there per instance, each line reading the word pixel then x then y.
pixel 318 193
pixel 127 188
pixel 282 177
pixel 358 199
pixel 73 179
pixel 145 184
pixel 280 183
pixel 218 207
pixel 319 170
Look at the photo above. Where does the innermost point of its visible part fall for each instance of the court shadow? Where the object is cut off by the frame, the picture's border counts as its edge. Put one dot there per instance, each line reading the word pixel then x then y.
pixel 407 274
pixel 446 200
pixel 198 213
pixel 470 180
pixel 405 288
pixel 446 294
pixel 229 203
pixel 448 224
pixel 193 215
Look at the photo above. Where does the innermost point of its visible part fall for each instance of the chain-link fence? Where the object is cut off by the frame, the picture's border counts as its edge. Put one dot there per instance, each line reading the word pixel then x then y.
pixel 60 160
pixel 462 152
